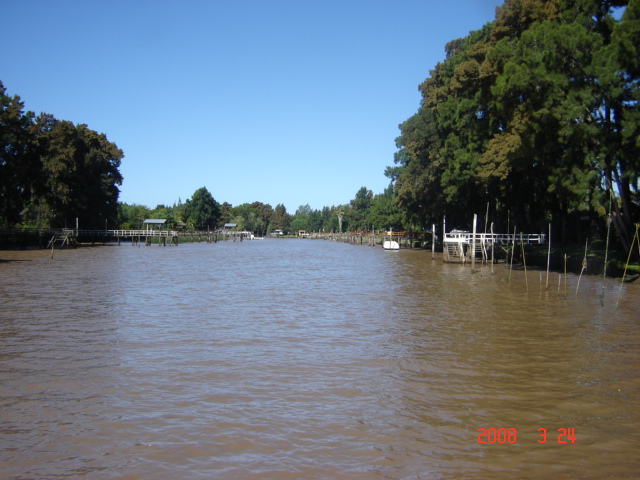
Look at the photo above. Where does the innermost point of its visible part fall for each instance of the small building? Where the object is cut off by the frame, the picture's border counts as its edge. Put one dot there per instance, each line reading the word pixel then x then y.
pixel 229 226
pixel 302 233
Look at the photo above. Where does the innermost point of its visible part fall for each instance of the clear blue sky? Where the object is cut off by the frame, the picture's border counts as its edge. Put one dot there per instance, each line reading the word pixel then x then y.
pixel 278 101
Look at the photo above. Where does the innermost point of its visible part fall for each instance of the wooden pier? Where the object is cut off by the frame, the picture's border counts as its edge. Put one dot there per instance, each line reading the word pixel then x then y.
pixel 145 236
pixel 462 247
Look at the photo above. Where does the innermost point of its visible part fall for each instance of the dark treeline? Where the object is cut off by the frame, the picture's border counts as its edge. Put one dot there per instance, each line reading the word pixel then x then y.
pixel 534 116
pixel 52 171
pixel 201 212
pixel 529 121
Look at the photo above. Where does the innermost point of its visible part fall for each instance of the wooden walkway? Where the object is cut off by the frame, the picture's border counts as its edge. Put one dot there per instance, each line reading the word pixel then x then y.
pixel 463 246
pixel 150 236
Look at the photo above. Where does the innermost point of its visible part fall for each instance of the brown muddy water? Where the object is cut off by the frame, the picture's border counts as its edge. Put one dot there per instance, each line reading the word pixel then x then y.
pixel 309 359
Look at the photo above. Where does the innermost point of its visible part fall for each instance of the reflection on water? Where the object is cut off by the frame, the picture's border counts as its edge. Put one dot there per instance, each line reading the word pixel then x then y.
pixel 308 359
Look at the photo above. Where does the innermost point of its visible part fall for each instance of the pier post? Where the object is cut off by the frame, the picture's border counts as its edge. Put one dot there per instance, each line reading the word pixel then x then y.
pixel 473 243
pixel 433 241
pixel 493 242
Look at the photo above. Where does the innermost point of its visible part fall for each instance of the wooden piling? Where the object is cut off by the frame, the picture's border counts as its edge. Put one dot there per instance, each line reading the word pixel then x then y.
pixel 524 262
pixel 549 258
pixel 492 247
pixel 513 248
pixel 433 241
pixel 584 266
pixel 473 243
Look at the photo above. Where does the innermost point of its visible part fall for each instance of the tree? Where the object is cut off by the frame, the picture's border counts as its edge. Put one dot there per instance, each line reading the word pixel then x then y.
pixel 130 217
pixel 99 177
pixel 264 214
pixel 280 219
pixel 385 213
pixel 254 217
pixel 536 113
pixel 617 111
pixel 202 211
pixel 301 220
pixel 226 212
pixel 360 207
pixel 18 170
pixel 79 174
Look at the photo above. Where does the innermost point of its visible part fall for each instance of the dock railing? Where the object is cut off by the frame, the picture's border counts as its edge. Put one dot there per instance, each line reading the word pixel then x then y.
pixel 503 238
pixel 120 233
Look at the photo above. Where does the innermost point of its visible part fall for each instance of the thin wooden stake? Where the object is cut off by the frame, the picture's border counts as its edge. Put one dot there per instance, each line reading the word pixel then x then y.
pixel 584 266
pixel 565 274
pixel 513 247
pixel 473 244
pixel 433 241
pixel 606 250
pixel 492 245
pixel 524 262
pixel 548 258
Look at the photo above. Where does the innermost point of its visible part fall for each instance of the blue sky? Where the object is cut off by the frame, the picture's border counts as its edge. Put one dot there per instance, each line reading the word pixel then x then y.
pixel 277 101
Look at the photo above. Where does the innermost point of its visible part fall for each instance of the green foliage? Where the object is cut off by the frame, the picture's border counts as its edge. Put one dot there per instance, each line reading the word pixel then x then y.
pixel 537 114
pixel 132 216
pixel 53 172
pixel 254 217
pixel 18 164
pixel 280 219
pixel 360 208
pixel 202 211
pixel 385 213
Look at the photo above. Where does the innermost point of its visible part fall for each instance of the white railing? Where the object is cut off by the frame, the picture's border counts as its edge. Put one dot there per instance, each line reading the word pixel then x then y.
pixel 466 237
pixel 121 233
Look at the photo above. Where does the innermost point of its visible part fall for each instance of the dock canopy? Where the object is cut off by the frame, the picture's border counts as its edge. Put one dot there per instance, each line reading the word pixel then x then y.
pixel 230 225
pixel 154 221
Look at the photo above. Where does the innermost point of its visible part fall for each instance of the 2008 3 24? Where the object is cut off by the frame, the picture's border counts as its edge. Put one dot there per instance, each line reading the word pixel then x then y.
pixel 510 435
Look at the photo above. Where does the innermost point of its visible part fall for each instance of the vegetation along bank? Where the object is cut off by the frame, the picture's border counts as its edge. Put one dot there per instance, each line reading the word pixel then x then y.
pixel 532 120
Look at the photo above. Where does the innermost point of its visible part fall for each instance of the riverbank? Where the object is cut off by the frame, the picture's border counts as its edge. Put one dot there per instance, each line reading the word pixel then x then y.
pixel 574 259
pixel 563 257
pixel 570 257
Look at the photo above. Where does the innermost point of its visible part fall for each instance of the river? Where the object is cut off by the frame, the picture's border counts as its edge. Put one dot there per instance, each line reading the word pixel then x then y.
pixel 311 359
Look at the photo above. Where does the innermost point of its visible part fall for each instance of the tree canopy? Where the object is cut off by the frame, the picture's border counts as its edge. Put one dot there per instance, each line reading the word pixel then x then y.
pixel 53 172
pixel 536 114
pixel 202 211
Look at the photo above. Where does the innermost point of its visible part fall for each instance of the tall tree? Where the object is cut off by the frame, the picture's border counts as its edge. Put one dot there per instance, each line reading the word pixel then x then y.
pixel 385 213
pixel 617 110
pixel 280 219
pixel 360 207
pixel 301 220
pixel 80 172
pixel 202 211
pixel 18 165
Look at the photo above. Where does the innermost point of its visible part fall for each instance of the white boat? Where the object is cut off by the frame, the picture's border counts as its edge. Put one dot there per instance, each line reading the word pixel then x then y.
pixel 390 245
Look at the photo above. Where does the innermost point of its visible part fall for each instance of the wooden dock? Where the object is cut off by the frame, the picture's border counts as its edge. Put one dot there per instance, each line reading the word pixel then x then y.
pixel 147 236
pixel 461 247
